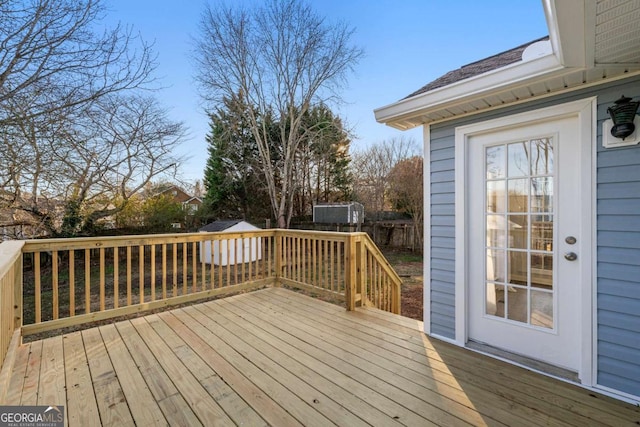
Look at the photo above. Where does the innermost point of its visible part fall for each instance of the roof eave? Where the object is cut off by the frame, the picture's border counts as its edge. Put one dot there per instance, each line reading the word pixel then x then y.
pixel 398 114
pixel 570 39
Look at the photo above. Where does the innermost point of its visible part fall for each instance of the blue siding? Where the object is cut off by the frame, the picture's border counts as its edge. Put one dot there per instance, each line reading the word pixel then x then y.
pixel 618 237
pixel 618 272
pixel 442 235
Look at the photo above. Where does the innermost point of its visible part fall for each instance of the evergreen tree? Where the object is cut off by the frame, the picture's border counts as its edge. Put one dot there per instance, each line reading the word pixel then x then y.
pixel 323 166
pixel 233 188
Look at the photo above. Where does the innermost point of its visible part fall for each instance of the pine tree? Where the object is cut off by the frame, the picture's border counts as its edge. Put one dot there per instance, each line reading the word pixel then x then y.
pixel 232 179
pixel 323 166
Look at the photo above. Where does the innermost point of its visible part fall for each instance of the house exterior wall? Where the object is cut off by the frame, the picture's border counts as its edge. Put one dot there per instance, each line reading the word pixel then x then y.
pixel 617 236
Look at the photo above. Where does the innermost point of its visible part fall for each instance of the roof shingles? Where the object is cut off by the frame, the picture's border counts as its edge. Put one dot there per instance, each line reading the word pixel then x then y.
pixel 476 68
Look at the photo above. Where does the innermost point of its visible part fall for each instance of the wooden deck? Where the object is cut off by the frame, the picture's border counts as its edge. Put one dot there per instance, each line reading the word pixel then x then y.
pixel 275 357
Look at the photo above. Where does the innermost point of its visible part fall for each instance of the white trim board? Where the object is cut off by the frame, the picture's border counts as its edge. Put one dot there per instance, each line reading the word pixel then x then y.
pixel 585 110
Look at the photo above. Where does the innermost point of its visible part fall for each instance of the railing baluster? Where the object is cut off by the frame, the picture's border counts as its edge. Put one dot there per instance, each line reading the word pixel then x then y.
pixel 174 252
pixel 141 272
pixel 332 266
pixel 54 283
pixel 152 262
pixel 116 277
pixel 72 284
pixel 185 268
pixel 314 258
pixel 102 279
pixel 227 266
pixel 339 264
pixel 250 260
pixel 234 245
pixel 321 263
pixel 87 281
pixel 194 267
pixel 242 258
pixel 220 266
pixel 128 276
pixel 164 271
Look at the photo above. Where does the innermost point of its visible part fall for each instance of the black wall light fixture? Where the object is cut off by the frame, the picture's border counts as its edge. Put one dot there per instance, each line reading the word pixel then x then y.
pixel 622 113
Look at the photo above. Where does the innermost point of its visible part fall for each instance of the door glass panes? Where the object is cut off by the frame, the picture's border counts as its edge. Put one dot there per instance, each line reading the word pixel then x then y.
pixel 518 231
pixel 496 231
pixel 495 162
pixel 518 159
pixel 495 300
pixel 519 220
pixel 496 196
pixel 496 265
pixel 518 195
pixel 542 194
pixel 541 157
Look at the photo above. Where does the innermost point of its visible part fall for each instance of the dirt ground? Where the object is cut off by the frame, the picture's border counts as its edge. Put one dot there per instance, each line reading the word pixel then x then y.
pixel 409 267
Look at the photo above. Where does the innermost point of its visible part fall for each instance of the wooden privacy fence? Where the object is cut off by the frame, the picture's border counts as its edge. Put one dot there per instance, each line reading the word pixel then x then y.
pixel 66 282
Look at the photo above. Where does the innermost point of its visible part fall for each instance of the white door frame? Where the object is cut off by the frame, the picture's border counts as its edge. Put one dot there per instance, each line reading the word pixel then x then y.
pixel 585 111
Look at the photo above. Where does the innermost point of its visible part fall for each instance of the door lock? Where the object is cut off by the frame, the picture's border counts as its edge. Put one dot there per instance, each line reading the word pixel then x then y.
pixel 570 240
pixel 570 256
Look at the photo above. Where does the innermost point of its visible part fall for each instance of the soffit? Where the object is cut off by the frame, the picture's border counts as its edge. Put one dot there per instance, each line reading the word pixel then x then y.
pixel 617 33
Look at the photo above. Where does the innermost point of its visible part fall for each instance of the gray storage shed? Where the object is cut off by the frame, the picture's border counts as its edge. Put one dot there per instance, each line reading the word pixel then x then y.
pixel 338 213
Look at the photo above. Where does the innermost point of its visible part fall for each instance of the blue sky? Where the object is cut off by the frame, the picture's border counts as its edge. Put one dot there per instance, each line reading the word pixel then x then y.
pixel 407 44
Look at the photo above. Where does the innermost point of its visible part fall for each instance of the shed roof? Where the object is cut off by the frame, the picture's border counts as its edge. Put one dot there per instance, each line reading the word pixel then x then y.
pixel 220 225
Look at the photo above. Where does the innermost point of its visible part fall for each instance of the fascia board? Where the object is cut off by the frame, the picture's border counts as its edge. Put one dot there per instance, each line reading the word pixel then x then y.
pixel 512 76
pixel 567 22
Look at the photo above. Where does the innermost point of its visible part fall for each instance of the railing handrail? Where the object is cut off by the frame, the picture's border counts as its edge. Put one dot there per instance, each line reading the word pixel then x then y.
pixel 74 243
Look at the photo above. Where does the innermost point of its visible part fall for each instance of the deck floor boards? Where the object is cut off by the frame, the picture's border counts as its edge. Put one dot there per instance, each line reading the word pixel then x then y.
pixel 276 357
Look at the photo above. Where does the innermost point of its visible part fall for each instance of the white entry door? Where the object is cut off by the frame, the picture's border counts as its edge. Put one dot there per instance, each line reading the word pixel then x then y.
pixel 524 240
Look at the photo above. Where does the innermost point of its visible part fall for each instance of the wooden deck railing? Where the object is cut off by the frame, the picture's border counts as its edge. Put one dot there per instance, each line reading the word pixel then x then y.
pixel 66 282
pixel 314 260
pixel 381 282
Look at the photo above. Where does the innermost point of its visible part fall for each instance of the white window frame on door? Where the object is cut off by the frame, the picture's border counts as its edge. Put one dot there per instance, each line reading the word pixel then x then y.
pixel 586 112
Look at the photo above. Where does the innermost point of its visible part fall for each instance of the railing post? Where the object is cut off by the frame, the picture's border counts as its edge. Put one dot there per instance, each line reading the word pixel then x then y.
pixel 351 274
pixel 397 302
pixel 361 288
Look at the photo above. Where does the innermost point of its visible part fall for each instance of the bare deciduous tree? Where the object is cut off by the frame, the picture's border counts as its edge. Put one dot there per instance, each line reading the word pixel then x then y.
pixel 406 192
pixel 79 140
pixel 371 168
pixel 283 59
pixel 75 170
pixel 51 59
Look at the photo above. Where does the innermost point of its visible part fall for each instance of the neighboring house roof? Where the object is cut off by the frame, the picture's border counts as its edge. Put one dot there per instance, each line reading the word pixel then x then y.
pixel 194 201
pixel 479 67
pixel 588 44
pixel 178 194
pixel 220 225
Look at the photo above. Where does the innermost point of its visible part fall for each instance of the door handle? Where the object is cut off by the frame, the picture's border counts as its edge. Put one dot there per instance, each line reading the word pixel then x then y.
pixel 570 256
